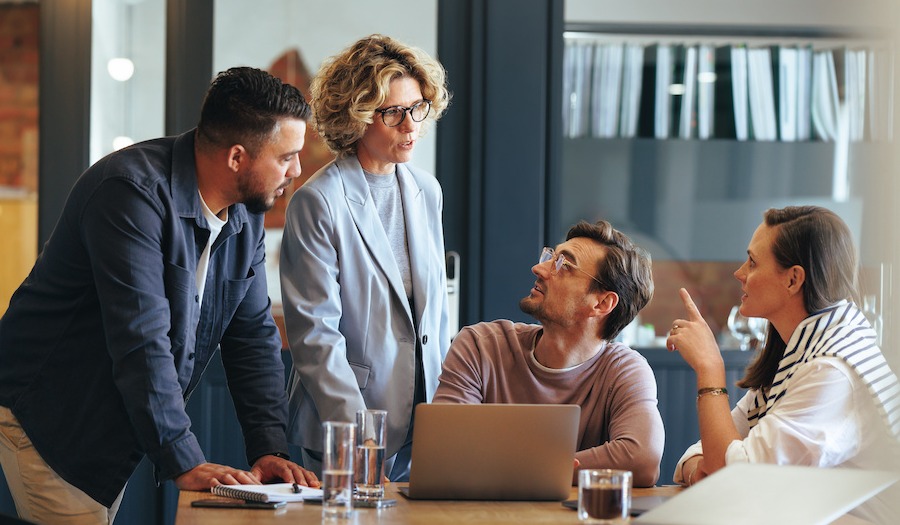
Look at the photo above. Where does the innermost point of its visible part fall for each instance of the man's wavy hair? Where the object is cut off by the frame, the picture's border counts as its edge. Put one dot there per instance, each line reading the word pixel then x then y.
pixel 353 84
pixel 626 270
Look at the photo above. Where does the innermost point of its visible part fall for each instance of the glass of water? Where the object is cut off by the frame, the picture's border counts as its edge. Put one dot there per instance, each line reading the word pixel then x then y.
pixel 371 439
pixel 337 469
pixel 759 327
pixel 740 327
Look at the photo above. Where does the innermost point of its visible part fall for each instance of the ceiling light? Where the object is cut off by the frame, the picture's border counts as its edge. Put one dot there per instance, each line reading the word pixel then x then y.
pixel 120 69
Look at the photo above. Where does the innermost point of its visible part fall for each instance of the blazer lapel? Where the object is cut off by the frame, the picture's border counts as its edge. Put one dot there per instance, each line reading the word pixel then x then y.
pixel 416 236
pixel 365 216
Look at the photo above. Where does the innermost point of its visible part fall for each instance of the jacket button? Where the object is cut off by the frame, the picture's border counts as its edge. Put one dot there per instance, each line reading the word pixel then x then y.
pixel 424 339
pixel 191 355
pixel 196 298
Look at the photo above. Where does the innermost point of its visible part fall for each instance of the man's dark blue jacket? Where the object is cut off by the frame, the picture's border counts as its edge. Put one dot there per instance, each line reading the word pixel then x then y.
pixel 105 339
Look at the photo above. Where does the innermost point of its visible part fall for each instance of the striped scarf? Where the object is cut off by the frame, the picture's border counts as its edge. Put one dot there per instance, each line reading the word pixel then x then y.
pixel 840 331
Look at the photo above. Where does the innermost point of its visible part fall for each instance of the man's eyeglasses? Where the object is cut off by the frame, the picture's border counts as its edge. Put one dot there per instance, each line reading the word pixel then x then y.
pixel 560 261
pixel 394 115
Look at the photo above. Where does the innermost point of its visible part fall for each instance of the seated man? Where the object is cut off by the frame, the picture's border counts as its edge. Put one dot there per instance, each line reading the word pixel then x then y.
pixel 587 290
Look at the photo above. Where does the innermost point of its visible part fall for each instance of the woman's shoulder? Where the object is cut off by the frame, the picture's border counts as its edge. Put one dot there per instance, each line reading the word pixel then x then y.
pixel 821 375
pixel 336 177
pixel 423 177
pixel 327 174
pixel 827 369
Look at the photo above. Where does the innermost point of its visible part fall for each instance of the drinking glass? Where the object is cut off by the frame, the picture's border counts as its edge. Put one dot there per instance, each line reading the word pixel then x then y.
pixel 337 469
pixel 371 432
pixel 740 327
pixel 759 327
pixel 604 496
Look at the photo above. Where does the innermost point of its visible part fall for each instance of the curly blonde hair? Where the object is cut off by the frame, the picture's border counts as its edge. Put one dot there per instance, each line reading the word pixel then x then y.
pixel 350 86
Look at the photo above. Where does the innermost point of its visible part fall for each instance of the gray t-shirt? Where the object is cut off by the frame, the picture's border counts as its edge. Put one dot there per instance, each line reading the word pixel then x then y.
pixel 385 190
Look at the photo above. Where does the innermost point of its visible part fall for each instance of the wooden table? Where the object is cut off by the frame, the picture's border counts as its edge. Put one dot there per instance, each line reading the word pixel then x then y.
pixel 406 512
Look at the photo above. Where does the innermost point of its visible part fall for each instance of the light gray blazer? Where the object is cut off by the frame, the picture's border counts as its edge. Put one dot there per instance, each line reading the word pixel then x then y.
pixel 349 324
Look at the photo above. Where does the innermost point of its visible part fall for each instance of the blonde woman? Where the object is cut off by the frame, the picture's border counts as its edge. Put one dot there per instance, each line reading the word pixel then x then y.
pixel 362 262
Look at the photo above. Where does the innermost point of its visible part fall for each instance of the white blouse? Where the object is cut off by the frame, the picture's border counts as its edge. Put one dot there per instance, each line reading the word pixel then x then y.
pixel 827 419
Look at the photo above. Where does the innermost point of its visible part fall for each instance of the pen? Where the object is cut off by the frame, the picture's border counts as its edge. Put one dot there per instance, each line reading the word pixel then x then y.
pixel 296 488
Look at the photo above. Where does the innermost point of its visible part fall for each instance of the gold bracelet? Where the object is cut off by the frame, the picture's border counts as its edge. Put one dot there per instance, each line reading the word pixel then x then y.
pixel 711 391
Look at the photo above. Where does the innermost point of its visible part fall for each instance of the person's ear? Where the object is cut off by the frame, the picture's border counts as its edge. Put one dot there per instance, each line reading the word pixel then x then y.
pixel 237 155
pixel 607 303
pixel 796 277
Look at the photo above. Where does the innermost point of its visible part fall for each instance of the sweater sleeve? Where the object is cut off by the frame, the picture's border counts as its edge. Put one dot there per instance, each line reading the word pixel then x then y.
pixel 636 435
pixel 461 379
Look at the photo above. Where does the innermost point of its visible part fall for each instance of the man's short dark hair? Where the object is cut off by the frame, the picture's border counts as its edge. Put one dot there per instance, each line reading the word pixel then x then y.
pixel 625 270
pixel 244 105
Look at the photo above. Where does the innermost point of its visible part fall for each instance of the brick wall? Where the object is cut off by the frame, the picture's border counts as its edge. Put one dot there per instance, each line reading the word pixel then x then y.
pixel 711 284
pixel 19 96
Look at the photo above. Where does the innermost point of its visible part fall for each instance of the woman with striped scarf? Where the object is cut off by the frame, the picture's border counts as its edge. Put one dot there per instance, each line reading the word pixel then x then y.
pixel 820 393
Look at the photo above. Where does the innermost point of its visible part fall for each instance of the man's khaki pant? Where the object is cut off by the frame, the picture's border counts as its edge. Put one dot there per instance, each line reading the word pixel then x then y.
pixel 42 496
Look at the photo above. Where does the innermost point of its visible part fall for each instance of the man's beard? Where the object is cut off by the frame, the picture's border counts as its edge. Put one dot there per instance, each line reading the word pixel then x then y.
pixel 529 307
pixel 258 203
pixel 255 201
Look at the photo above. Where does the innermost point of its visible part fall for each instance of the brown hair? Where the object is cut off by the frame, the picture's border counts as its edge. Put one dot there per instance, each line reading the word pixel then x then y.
pixel 818 241
pixel 626 270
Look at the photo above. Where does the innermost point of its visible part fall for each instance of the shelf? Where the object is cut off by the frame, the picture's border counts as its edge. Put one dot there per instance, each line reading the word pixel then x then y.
pixel 664 193
pixel 719 85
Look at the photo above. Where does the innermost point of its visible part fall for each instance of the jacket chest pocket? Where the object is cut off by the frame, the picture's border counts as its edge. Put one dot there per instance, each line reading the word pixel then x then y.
pixel 233 292
pixel 182 296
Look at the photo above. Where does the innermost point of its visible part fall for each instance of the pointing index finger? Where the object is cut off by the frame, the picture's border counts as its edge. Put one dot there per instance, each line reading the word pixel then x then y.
pixel 692 310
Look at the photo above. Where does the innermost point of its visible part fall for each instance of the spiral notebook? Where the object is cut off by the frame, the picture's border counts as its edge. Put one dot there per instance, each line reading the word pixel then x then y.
pixel 266 493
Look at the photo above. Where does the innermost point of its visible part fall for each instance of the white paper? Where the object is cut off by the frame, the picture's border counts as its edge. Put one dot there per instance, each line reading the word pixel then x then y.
pixel 706 102
pixel 788 93
pixel 663 80
pixel 762 97
pixel 686 122
pixel 739 91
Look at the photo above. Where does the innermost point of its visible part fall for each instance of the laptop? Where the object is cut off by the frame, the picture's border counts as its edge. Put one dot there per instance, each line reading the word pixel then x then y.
pixel 493 452
pixel 761 493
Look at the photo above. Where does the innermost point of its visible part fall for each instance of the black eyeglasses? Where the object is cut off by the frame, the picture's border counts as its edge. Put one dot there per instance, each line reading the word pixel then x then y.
pixel 394 115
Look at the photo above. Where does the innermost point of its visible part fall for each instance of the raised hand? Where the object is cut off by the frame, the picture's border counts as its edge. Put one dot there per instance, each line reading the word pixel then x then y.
pixel 694 340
